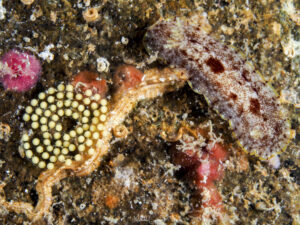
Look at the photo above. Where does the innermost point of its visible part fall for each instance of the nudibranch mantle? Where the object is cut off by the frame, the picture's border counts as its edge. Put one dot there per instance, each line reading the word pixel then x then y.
pixel 229 83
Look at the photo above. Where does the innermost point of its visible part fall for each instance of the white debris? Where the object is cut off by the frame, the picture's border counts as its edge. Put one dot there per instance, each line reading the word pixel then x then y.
pixel 87 3
pixel 189 143
pixel 111 219
pixel 291 95
pixel 102 65
pixel 66 56
pixel 124 40
pixel 159 222
pixel 5 69
pixel 274 162
pixel 82 206
pixel 123 176
pixel 2 11
pixel 291 48
pixel 32 17
pixel 88 180
pixel 26 39
pixel 46 54
pixel 289 7
pixel 154 206
pixel 171 168
pixel 1 163
pixel 185 116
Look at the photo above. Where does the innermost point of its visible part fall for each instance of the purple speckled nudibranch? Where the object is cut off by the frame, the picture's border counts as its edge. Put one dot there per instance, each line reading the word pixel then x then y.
pixel 230 84
pixel 19 71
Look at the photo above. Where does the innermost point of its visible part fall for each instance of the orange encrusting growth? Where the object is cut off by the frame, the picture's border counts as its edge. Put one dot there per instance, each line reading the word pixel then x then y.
pixel 89 80
pixel 112 201
pixel 127 77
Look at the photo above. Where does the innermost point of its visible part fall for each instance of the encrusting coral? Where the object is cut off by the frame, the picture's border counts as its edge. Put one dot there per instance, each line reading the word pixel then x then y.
pixel 132 87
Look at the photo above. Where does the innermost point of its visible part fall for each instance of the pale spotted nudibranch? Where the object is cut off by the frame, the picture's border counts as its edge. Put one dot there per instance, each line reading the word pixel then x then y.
pixel 229 83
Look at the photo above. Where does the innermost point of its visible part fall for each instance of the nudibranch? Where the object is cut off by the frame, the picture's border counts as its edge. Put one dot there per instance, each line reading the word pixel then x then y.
pixel 229 83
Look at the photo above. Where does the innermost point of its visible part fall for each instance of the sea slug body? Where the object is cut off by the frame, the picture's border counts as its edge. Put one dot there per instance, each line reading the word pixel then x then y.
pixel 229 83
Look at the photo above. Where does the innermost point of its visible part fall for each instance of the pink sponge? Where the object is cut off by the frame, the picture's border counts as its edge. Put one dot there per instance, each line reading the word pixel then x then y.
pixel 19 71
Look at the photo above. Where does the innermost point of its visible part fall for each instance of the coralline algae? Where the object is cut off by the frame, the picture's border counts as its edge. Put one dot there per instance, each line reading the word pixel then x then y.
pixel 19 71
pixel 229 83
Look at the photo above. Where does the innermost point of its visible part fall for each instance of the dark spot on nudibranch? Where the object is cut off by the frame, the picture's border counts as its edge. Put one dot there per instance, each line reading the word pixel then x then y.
pixel 183 63
pixel 183 52
pixel 215 65
pixel 194 41
pixel 245 75
pixel 265 137
pixel 254 106
pixel 167 33
pixel 233 96
pixel 277 128
pixel 240 110
pixel 255 89
pixel 212 43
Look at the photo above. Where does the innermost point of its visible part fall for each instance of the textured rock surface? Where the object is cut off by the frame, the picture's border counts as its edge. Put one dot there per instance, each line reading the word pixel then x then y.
pixel 137 179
